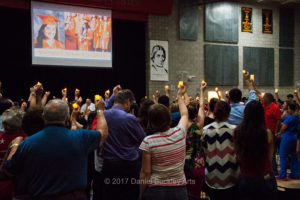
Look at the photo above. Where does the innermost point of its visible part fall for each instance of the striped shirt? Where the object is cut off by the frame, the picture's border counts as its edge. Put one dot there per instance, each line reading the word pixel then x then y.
pixel 221 168
pixel 167 151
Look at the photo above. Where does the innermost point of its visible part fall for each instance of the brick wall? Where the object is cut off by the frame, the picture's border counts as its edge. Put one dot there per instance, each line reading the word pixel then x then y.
pixel 188 56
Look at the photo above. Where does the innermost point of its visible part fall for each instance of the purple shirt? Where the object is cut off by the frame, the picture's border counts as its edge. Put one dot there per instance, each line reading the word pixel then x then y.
pixel 125 135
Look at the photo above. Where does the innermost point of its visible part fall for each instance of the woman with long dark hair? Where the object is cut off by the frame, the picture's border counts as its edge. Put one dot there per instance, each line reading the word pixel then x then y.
pixel 48 33
pixel 254 147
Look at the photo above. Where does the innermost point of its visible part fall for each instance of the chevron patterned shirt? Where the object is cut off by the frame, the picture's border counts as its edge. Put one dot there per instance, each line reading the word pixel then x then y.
pixel 221 168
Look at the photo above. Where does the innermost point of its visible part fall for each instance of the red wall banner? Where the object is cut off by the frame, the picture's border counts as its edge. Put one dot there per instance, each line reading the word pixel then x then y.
pixel 122 9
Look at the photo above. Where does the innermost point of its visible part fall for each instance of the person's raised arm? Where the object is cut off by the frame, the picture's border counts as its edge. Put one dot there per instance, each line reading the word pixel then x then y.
pixel 14 146
pixel 45 98
pixel 201 113
pixel 167 91
pixel 249 82
pixel 101 121
pixel 182 107
pixel 251 86
pixel 297 96
pixel 32 97
pixel 64 94
pixel 75 123
pixel 277 95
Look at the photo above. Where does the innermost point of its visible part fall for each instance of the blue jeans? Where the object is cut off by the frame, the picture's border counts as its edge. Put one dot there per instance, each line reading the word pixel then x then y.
pixel 288 147
pixel 165 193
pixel 257 188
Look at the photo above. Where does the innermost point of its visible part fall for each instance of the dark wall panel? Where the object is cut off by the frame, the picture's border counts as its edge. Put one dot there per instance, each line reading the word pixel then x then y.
pixel 188 20
pixel 286 67
pixel 260 62
pixel 221 22
pixel 221 65
pixel 286 27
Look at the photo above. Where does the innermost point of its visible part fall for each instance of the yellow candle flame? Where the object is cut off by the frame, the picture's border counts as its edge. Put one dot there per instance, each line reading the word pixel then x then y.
pixel 244 71
pixel 216 89
pixel 252 77
pixel 180 84
pixel 166 87
pixel 38 83
pixel 75 105
pixel 276 90
pixel 107 92
pixel 97 97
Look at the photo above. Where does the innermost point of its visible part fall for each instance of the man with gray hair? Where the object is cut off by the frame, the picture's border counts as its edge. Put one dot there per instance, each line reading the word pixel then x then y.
pixel 53 162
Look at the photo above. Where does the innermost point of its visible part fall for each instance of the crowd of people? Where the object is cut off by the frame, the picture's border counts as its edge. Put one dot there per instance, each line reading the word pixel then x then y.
pixel 185 148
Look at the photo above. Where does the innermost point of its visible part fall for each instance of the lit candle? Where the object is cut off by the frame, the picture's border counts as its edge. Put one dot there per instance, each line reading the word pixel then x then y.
pixel 76 90
pixel 180 84
pixel 216 89
pixel 276 91
pixel 66 99
pixel 262 94
pixel 203 82
pixel 65 89
pixel 38 83
pixel 252 77
pixel 166 87
pixel 244 71
pixel 97 97
pixel 197 98
pixel 146 97
pixel 295 91
pixel 75 105
pixel 157 91
pixel 226 92
pixel 107 92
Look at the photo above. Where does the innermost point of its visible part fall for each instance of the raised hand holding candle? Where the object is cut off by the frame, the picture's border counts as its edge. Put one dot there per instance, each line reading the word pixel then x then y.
pixel 97 97
pixel 216 89
pixel 38 83
pixel 202 82
pixel 167 87
pixel 180 84
pixel 252 77
pixel 75 105
pixel 244 71
pixel 276 91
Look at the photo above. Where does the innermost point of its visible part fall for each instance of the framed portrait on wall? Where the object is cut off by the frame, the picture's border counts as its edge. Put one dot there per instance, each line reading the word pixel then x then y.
pixel 159 62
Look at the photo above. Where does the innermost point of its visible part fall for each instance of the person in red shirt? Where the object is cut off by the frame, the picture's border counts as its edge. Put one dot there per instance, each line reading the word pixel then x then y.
pixel 273 119
pixel 12 123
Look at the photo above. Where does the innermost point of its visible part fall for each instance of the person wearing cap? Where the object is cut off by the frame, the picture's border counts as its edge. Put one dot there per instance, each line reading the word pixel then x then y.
pixel 48 33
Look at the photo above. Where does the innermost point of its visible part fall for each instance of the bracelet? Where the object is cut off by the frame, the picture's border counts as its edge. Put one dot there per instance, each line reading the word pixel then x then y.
pixel 100 111
pixel 14 145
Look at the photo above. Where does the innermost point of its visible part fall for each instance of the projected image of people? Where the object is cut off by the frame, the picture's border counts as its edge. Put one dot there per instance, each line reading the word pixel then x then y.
pixel 48 35
pixel 87 32
pixel 158 57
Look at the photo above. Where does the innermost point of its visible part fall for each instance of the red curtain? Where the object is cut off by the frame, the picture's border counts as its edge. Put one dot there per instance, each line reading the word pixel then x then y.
pixel 122 9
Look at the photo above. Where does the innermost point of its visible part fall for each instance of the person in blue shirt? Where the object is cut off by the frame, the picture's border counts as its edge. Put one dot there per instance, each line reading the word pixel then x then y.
pixel 235 97
pixel 120 153
pixel 289 142
pixel 53 162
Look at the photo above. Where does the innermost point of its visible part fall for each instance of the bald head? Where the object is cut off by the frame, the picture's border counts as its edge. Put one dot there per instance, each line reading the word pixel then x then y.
pixel 56 111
